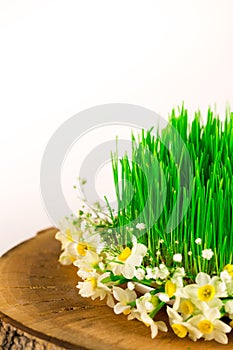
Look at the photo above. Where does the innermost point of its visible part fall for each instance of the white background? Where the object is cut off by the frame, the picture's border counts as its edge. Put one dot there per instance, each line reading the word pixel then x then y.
pixel 58 57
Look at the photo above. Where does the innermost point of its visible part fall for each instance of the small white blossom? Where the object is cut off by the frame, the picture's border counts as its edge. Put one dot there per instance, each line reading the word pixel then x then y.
pixel 207 254
pixel 190 253
pixel 141 226
pixel 130 285
pixel 162 272
pixel 198 241
pixel 177 258
pixel 158 252
pixel 161 241
pixel 139 274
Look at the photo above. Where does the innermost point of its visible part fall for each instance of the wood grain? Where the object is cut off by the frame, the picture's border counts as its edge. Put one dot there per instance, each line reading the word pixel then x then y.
pixel 40 308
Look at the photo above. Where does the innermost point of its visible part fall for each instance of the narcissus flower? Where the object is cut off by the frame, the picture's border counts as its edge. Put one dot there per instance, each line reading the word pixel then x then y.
pixel 180 327
pixel 210 325
pixel 124 298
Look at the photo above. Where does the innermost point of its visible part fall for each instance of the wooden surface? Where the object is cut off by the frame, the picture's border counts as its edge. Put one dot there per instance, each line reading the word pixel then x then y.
pixel 40 308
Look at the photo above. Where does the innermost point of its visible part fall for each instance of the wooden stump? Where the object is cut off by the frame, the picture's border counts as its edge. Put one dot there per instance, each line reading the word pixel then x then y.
pixel 40 308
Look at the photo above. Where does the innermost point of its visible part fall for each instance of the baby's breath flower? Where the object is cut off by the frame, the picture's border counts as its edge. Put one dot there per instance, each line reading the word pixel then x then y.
pixel 190 253
pixel 139 273
pixel 198 241
pixel 207 254
pixel 130 285
pixel 177 258
pixel 141 226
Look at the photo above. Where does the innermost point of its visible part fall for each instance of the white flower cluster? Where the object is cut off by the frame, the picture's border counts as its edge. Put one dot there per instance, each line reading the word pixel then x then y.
pixel 194 309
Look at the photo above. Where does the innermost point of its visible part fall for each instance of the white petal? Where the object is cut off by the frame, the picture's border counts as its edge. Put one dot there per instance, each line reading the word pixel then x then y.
pixel 161 326
pixel 195 320
pixel 119 308
pixel 128 271
pixel 222 326
pixel 146 318
pixel 110 301
pixel 212 314
pixel 163 297
pixel 202 279
pixel 220 337
pixel 190 291
pixel 176 304
pixel 154 330
pixel 130 295
pixel 119 294
pixel 173 314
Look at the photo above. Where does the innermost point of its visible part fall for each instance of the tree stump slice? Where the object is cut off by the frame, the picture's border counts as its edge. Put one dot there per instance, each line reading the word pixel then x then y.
pixel 40 308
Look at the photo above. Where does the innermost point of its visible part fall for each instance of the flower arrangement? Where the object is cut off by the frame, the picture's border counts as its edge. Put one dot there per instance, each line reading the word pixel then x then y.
pixel 142 262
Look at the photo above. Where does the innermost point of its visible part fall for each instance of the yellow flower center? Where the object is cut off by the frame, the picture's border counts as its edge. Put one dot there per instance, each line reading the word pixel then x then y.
pixel 229 269
pixel 93 282
pixel 231 324
pixel 82 248
pixel 170 288
pixel 126 312
pixel 205 326
pixel 125 254
pixel 180 330
pixel 206 293
pixel 186 307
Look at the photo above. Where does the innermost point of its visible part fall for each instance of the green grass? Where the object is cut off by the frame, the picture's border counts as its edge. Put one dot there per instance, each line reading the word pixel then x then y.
pixel 156 185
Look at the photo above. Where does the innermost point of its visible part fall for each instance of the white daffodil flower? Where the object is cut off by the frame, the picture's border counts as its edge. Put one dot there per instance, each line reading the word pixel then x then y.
pixel 93 287
pixel 154 325
pixel 93 241
pixel 89 263
pixel 68 236
pixel 205 293
pixel 124 298
pixel 180 327
pixel 145 305
pixel 128 260
pixel 210 326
